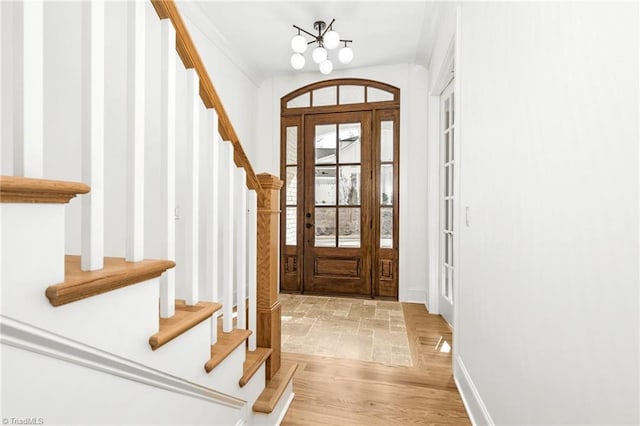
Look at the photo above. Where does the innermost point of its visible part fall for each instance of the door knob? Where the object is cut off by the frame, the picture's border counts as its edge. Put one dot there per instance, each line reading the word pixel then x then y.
pixel 309 225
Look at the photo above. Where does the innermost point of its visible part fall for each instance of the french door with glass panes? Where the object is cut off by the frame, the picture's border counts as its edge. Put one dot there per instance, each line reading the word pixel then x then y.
pixel 341 205
pixel 447 202
pixel 339 228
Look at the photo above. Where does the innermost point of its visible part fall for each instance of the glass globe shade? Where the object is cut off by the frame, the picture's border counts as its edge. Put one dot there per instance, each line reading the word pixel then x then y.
pixel 345 55
pixel 299 44
pixel 319 55
pixel 326 67
pixel 297 61
pixel 331 39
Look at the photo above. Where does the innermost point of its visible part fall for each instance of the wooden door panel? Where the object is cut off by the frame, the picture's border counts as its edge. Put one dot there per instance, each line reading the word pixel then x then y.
pixel 337 257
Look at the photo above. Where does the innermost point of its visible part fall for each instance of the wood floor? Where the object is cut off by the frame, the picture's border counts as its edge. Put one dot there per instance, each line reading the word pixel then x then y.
pixel 332 391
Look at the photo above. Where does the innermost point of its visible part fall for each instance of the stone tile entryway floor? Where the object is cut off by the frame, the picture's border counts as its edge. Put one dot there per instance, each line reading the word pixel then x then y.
pixel 360 329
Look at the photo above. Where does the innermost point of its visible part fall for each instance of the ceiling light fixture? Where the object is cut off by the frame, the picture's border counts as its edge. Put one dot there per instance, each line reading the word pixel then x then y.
pixel 327 39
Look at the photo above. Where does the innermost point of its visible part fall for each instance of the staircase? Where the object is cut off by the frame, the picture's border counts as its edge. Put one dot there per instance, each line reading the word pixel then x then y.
pixel 138 246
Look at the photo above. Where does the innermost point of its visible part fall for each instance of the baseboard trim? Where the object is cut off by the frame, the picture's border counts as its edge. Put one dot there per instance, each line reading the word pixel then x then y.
pixel 27 337
pixel 414 296
pixel 478 413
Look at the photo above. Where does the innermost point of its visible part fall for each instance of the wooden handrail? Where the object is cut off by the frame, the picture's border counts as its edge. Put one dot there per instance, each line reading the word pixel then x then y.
pixel 166 9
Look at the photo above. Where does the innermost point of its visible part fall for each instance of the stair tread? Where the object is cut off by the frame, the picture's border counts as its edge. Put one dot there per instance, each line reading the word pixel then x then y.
pixel 274 389
pixel 185 318
pixel 115 274
pixel 17 189
pixel 252 362
pixel 226 344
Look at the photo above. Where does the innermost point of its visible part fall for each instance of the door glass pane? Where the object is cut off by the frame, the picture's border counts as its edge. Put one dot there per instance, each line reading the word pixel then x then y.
pixel 351 94
pixel 447 148
pixel 386 227
pixel 292 145
pixel 349 136
pixel 292 185
pixel 325 224
pixel 386 184
pixel 446 249
pixel 445 178
pixel 291 232
pixel 453 108
pixel 325 96
pixel 349 227
pixel 377 95
pixel 447 210
pixel 451 177
pixel 445 288
pixel 451 141
pixel 325 185
pixel 386 141
pixel 446 114
pixel 326 144
pixel 349 185
pixel 301 101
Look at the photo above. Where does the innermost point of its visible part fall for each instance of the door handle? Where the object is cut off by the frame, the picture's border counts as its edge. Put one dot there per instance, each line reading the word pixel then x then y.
pixel 309 225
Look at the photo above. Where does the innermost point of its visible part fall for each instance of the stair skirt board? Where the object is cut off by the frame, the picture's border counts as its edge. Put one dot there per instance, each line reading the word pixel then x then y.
pixel 77 359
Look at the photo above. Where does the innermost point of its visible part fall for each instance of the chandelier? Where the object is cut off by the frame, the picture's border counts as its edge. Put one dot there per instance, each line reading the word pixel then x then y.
pixel 327 39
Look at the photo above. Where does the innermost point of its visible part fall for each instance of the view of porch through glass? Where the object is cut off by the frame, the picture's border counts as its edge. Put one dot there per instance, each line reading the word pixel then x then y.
pixel 337 185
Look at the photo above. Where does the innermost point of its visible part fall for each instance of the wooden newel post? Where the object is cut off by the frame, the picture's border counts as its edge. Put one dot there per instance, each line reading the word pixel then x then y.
pixel 268 333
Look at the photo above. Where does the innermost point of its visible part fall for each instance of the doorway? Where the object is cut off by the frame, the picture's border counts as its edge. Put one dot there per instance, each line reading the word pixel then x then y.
pixel 339 155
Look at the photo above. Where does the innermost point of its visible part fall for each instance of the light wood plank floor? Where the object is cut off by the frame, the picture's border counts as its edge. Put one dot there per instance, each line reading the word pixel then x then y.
pixel 331 391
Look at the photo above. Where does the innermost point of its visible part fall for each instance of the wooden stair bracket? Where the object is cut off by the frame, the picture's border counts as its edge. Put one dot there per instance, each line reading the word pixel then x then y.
pixel 117 273
pixel 269 310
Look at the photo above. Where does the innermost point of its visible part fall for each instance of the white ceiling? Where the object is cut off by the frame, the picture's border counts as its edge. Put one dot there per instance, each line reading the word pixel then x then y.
pixel 256 35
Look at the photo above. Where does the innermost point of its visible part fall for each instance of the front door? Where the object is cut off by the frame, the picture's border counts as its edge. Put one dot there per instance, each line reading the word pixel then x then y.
pixel 338 203
pixel 339 162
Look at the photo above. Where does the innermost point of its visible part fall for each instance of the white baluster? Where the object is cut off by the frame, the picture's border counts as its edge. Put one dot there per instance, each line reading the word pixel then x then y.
pixel 240 238
pixel 226 209
pixel 192 218
pixel 252 246
pixel 168 162
pixel 92 56
pixel 28 75
pixel 210 208
pixel 135 130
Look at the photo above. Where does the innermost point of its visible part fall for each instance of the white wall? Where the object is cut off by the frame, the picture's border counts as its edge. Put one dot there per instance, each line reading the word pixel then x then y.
pixel 547 311
pixel 412 81
pixel 236 90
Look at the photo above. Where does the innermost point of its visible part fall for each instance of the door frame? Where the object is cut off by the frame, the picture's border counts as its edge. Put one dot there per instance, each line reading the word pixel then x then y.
pixel 446 75
pixel 293 111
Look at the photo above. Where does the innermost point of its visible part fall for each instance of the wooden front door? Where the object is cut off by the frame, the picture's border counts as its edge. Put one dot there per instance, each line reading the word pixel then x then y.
pixel 339 163
pixel 337 203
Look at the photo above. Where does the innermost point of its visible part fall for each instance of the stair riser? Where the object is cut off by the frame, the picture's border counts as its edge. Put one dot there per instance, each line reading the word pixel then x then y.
pixel 32 256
